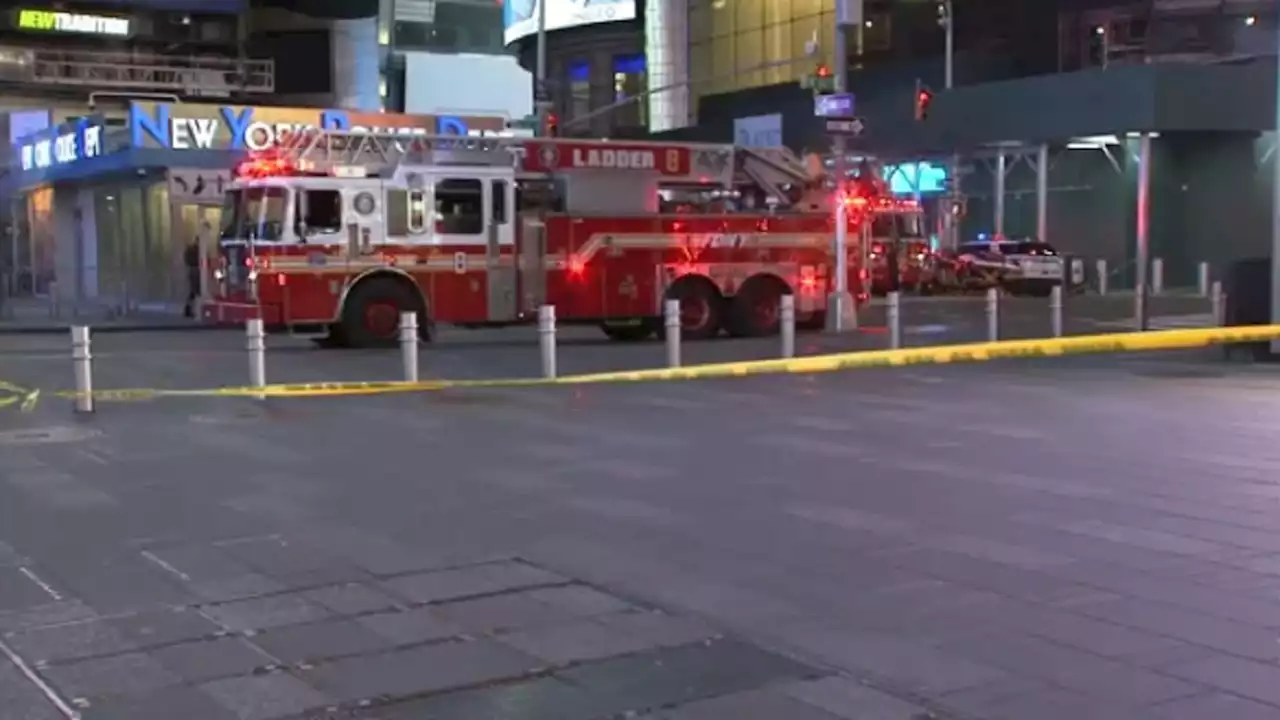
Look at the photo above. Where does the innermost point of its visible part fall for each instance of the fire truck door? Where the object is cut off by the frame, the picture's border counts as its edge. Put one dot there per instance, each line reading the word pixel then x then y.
pixel 500 251
pixel 532 241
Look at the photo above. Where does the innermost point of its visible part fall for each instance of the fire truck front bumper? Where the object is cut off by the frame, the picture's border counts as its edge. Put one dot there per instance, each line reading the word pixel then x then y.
pixel 221 312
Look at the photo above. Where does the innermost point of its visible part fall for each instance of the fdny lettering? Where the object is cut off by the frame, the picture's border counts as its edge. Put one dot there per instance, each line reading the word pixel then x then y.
pixel 614 159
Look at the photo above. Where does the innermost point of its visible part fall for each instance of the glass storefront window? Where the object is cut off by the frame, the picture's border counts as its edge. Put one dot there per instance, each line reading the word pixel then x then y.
pixel 579 88
pixel 40 217
pixel 163 250
pixel 111 261
pixel 132 241
pixel 630 80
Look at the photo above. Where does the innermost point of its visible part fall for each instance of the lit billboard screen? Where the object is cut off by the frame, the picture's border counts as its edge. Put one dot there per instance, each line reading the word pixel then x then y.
pixel 520 17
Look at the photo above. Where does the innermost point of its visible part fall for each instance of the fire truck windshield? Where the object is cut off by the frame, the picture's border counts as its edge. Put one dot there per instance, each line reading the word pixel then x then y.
pixel 256 213
pixel 908 225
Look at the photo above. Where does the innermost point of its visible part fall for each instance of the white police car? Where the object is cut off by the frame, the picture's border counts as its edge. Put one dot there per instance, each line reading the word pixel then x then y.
pixel 1021 267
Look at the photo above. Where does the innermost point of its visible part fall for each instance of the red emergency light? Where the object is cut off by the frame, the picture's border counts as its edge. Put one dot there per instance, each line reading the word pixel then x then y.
pixel 264 167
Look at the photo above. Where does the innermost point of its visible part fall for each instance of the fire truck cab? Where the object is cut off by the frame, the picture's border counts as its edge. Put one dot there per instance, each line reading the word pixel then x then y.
pixel 336 234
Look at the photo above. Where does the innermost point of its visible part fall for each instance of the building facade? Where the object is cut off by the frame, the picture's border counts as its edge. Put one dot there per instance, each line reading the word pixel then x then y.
pixel 599 68
pixel 1086 80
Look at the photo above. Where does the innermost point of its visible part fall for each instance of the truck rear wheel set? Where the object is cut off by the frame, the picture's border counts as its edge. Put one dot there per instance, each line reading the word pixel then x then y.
pixel 704 313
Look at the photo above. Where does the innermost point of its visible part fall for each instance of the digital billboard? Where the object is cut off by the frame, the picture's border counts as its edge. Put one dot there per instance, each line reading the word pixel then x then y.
pixel 520 17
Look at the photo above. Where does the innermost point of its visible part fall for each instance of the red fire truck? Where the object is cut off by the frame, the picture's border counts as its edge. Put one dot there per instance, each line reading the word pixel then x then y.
pixel 334 234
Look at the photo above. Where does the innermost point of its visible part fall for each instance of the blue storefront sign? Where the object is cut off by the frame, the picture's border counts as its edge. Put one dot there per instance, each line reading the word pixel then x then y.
pixel 238 127
pixel 62 145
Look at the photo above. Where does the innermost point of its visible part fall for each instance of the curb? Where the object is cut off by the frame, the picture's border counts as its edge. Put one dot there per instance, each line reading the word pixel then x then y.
pixel 109 329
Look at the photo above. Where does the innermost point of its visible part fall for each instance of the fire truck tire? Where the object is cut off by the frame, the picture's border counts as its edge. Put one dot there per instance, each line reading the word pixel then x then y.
pixel 371 314
pixel 701 307
pixel 755 310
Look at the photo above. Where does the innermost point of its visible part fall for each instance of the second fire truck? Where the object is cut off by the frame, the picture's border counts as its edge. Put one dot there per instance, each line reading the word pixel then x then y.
pixel 335 234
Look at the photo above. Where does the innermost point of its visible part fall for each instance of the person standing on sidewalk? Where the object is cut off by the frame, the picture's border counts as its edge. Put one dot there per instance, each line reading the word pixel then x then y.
pixel 191 258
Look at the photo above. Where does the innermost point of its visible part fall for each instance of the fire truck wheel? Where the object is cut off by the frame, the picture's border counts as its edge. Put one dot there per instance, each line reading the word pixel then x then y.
pixel 371 314
pixel 755 311
pixel 701 307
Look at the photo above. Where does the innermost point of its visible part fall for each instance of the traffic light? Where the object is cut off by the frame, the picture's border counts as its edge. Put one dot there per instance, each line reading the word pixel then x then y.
pixel 822 81
pixel 923 99
pixel 553 123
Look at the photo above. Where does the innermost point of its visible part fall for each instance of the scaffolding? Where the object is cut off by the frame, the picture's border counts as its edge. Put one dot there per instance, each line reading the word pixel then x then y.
pixel 190 76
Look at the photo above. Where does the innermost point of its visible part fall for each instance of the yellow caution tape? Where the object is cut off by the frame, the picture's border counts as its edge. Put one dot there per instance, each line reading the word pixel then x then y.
pixel 25 398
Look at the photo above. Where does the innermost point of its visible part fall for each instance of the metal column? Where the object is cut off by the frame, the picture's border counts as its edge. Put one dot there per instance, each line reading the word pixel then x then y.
pixel 541 96
pixel 1001 172
pixel 951 224
pixel 1142 251
pixel 1042 194
pixel 1275 209
pixel 840 309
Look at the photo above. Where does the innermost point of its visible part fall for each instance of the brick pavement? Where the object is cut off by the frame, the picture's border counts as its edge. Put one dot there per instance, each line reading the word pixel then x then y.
pixel 1084 538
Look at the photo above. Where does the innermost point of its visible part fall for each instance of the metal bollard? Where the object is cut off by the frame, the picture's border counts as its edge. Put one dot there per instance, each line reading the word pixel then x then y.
pixel 787 324
pixel 256 344
pixel 82 363
pixel 993 314
pixel 409 345
pixel 1217 309
pixel 547 339
pixel 1100 267
pixel 1055 310
pixel 1202 283
pixel 671 328
pixel 893 318
pixel 1157 276
pixel 54 310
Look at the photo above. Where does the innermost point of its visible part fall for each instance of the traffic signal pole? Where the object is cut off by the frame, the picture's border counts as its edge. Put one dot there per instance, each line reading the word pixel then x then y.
pixel 951 223
pixel 841 313
pixel 541 98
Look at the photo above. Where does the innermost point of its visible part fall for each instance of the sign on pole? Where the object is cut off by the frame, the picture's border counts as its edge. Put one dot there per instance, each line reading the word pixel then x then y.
pixel 838 105
pixel 852 127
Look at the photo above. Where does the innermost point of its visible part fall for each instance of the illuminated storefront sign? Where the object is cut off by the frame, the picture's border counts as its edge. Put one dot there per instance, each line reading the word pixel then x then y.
pixel 62 145
pixel 912 178
pixel 236 127
pixel 79 23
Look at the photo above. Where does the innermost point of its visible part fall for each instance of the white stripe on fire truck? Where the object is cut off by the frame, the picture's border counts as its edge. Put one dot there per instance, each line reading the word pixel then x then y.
pixel 697 241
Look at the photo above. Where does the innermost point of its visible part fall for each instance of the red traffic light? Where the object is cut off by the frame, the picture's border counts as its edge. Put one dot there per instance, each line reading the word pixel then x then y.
pixel 823 71
pixel 924 98
pixel 552 122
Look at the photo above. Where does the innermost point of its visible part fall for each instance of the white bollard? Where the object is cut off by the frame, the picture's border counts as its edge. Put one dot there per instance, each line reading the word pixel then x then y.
pixel 409 345
pixel 1202 284
pixel 256 344
pixel 82 362
pixel 787 324
pixel 671 328
pixel 1157 276
pixel 893 318
pixel 1215 304
pixel 547 340
pixel 1100 267
pixel 1055 310
pixel 993 314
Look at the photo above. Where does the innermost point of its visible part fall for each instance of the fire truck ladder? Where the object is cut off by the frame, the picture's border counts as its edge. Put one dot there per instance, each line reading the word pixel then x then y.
pixel 327 151
pixel 774 170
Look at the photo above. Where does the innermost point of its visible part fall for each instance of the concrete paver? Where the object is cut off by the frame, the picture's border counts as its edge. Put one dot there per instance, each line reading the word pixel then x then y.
pixel 1072 538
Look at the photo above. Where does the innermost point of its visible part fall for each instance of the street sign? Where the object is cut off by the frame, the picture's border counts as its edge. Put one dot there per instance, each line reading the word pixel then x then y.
pixel 852 127
pixel 839 105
